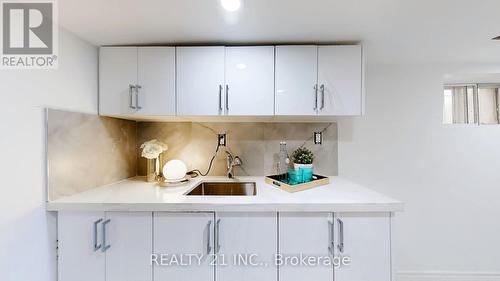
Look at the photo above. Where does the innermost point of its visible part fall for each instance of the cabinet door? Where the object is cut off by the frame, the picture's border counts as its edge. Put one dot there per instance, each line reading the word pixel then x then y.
pixel 248 245
pixel 129 237
pixel 156 77
pixel 78 234
pixel 340 80
pixel 117 71
pixel 182 234
pixel 296 78
pixel 200 80
pixel 250 81
pixel 365 238
pixel 308 234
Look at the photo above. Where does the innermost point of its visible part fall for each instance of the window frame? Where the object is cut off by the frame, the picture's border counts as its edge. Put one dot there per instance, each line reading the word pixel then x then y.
pixel 476 87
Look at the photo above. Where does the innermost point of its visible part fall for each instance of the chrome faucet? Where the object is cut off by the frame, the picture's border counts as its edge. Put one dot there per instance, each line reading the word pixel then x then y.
pixel 231 163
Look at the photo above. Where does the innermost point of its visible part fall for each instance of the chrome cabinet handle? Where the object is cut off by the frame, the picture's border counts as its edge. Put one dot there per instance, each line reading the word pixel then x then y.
pixel 340 246
pixel 220 97
pixel 131 89
pixel 96 246
pixel 104 246
pixel 209 248
pixel 322 89
pixel 315 96
pixel 331 244
pixel 137 87
pixel 227 98
pixel 217 236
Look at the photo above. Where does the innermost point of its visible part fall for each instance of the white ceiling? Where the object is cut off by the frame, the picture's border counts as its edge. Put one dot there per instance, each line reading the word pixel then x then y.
pixel 392 31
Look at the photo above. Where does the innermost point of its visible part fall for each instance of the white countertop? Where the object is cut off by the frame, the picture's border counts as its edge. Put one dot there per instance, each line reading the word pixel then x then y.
pixel 135 194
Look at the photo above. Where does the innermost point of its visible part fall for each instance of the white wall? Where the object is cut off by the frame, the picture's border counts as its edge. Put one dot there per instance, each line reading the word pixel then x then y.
pixel 446 174
pixel 27 232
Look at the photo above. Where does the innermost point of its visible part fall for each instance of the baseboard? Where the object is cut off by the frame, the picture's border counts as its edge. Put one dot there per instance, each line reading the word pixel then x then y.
pixel 447 276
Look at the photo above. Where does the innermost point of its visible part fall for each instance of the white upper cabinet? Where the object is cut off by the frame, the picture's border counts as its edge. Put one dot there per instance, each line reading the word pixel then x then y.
pixel 200 81
pixel 319 80
pixel 249 81
pixel 156 79
pixel 117 77
pixel 366 239
pixel 296 79
pixel 137 81
pixel 225 81
pixel 300 80
pixel 340 80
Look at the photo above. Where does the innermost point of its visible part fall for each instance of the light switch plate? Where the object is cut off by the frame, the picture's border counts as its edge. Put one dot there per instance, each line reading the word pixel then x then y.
pixel 318 137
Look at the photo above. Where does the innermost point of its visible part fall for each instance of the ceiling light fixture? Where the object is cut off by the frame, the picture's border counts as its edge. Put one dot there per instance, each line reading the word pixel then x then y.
pixel 496 38
pixel 230 5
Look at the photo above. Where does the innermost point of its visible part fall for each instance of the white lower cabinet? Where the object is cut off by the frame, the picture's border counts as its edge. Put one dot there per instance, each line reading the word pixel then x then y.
pixel 247 245
pixel 111 246
pixel 366 239
pixel 309 234
pixel 177 235
pixel 79 235
pixel 129 237
pixel 363 238
pixel 226 246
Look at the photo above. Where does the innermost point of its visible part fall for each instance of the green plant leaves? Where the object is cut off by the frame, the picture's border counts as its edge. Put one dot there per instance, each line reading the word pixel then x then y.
pixel 302 155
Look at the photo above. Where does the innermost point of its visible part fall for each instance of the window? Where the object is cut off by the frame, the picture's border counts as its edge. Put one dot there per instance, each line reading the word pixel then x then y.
pixel 488 104
pixel 471 104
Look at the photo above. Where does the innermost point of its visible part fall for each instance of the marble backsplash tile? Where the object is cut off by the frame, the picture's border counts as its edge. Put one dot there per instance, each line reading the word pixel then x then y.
pixel 256 143
pixel 86 151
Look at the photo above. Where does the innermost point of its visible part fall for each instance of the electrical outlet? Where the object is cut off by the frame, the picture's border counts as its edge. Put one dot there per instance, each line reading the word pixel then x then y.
pixel 318 137
pixel 221 140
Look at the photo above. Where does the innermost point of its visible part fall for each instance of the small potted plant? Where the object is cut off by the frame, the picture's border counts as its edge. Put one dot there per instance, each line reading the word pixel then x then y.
pixel 302 165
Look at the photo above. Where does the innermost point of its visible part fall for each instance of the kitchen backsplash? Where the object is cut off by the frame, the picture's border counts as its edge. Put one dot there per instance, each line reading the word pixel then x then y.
pixel 256 143
pixel 85 151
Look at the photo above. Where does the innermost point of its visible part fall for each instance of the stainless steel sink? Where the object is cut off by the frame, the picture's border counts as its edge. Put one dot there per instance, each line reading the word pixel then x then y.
pixel 224 189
